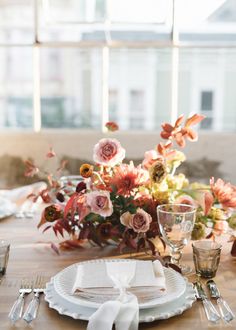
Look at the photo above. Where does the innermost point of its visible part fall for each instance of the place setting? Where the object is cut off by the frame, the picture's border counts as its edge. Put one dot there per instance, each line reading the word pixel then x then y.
pixel 150 291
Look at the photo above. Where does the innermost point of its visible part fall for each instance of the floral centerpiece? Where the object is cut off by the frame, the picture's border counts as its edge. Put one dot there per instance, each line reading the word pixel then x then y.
pixel 117 201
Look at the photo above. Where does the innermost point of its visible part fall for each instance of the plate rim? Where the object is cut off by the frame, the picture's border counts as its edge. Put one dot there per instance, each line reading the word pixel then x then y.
pixel 150 314
pixel 95 305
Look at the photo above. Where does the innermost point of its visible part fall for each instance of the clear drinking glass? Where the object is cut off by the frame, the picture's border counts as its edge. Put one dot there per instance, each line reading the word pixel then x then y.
pixel 176 223
pixel 4 255
pixel 206 257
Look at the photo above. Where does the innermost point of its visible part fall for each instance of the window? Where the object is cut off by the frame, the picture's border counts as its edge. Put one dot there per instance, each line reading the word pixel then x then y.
pixel 136 109
pixel 113 105
pixel 79 63
pixel 207 101
pixel 207 109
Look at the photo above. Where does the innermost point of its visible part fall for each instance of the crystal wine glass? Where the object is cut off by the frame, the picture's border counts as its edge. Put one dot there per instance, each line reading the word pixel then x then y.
pixel 176 223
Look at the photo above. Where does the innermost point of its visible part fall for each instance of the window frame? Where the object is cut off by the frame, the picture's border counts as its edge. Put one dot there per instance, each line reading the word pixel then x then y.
pixel 174 44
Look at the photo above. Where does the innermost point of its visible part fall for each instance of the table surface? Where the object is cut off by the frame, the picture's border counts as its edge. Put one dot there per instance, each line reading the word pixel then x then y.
pixel 31 255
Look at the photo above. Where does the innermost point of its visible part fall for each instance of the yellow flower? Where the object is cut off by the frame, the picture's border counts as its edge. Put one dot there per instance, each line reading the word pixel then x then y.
pixel 177 181
pixel 199 186
pixel 161 196
pixel 217 214
pixel 86 170
pixel 157 172
pixel 176 160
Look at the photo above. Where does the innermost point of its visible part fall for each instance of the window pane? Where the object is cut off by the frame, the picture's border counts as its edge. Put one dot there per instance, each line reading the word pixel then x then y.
pixel 16 21
pixel 141 11
pixel 140 88
pixel 206 101
pixel 61 20
pixel 206 85
pixel 71 88
pixel 73 11
pixel 16 87
pixel 118 20
pixel 206 21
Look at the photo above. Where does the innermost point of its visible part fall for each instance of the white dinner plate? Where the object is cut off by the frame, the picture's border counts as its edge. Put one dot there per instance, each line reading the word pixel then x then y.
pixel 160 312
pixel 64 280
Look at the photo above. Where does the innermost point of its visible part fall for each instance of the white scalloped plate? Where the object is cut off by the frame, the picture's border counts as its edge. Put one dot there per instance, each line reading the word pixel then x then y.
pixel 162 312
pixel 64 280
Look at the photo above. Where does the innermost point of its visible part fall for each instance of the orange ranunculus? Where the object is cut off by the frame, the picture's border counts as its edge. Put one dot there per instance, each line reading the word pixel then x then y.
pixel 86 170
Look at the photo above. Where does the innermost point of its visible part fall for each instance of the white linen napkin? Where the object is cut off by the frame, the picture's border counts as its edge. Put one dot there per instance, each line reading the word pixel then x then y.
pixel 10 197
pixel 20 194
pixel 93 275
pixel 108 282
pixel 123 312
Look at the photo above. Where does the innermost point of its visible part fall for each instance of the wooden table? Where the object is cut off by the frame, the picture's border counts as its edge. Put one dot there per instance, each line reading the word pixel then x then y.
pixel 31 255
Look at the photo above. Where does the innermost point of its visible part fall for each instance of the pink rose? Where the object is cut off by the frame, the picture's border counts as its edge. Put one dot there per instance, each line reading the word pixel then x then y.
pixel 108 152
pixel 139 222
pixel 100 203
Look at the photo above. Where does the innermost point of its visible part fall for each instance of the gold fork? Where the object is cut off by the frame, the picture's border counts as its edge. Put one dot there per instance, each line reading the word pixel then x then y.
pixel 17 309
pixel 32 309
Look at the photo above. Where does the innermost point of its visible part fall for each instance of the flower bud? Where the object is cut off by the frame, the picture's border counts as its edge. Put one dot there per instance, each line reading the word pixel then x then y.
pixel 232 222
pixel 60 197
pixel 80 186
pixel 198 231
pixel 53 213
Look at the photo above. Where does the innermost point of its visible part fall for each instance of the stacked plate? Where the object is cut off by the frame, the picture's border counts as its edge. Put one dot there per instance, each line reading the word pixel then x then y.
pixel 179 296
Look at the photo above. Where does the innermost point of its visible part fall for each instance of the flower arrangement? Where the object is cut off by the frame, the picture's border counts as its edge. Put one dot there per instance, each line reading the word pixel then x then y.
pixel 117 201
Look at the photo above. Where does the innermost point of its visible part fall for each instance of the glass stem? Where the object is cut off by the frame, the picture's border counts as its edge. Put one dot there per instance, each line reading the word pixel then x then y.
pixel 175 256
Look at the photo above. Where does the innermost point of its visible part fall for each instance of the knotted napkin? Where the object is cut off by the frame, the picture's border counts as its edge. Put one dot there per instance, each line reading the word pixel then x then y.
pixel 124 311
pixel 110 280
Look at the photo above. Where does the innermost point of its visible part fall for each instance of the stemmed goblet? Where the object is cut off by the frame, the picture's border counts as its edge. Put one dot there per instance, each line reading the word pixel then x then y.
pixel 176 222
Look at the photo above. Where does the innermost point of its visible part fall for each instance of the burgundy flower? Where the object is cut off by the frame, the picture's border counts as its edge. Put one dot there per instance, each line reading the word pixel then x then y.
pixel 60 197
pixel 105 230
pixel 80 186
